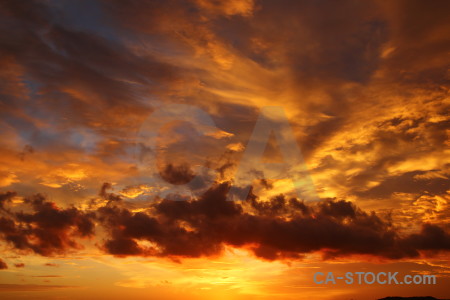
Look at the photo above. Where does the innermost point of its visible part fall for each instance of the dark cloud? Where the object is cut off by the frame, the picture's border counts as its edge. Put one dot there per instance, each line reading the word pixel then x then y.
pixel 19 265
pixel 51 265
pixel 108 196
pixel 282 228
pixel 47 229
pixel 339 209
pixel 5 198
pixel 213 222
pixel 3 265
pixel 431 237
pixel 278 205
pixel 177 174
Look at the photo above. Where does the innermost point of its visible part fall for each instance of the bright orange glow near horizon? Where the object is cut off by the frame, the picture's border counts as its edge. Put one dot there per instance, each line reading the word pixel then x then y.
pixel 126 126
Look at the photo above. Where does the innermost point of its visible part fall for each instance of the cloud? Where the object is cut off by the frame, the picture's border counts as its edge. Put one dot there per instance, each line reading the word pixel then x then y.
pixel 8 179
pixel 431 237
pixel 51 265
pixel 5 198
pixel 180 174
pixel 47 229
pixel 3 265
pixel 281 228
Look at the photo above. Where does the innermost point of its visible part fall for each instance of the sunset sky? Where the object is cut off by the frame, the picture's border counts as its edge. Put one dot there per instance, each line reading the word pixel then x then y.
pixel 364 88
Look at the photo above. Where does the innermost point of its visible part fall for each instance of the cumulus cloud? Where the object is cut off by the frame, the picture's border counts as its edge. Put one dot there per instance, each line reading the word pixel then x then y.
pixel 282 228
pixel 47 229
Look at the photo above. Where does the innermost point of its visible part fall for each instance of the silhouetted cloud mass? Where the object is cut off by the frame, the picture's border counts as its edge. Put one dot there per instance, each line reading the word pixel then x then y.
pixel 279 229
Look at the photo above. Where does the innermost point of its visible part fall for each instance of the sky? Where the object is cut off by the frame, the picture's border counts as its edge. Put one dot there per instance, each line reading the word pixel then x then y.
pixel 126 125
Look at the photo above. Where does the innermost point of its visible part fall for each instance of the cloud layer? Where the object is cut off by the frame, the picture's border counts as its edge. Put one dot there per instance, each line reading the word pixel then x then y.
pixel 282 228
